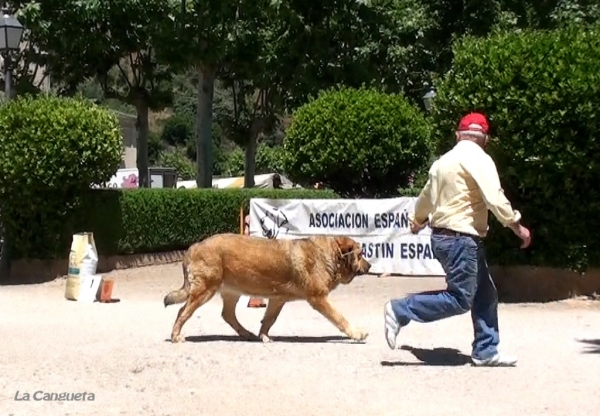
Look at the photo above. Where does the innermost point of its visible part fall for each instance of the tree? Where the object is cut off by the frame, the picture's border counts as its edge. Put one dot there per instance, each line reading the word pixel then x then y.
pixel 117 46
pixel 443 22
pixel 273 55
pixel 200 30
pixel 253 115
pixel 358 142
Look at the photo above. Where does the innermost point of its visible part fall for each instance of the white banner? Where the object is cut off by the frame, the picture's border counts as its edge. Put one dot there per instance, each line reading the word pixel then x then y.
pixel 380 225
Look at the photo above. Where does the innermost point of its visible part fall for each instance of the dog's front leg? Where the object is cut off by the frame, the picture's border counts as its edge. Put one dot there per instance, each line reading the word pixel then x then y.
pixel 324 307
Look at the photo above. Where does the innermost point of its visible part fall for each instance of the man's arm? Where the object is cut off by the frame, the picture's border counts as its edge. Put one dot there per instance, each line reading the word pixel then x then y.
pixel 484 172
pixel 423 206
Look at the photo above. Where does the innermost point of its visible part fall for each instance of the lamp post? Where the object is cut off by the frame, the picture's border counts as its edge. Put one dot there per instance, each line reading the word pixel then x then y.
pixel 428 98
pixel 11 32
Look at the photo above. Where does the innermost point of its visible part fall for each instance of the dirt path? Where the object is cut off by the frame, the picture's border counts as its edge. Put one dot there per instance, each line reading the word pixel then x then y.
pixel 119 353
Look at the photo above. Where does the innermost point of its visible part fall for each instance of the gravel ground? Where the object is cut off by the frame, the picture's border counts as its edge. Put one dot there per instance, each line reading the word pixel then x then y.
pixel 120 353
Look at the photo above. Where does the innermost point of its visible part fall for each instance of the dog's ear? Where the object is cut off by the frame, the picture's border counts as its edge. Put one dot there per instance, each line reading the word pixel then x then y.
pixel 345 244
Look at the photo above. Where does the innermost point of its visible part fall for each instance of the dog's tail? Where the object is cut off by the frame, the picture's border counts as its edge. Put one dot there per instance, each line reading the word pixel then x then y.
pixel 180 295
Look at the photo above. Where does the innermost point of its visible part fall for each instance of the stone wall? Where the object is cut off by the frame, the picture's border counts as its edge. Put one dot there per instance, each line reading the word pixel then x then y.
pixel 514 283
pixel 543 284
pixel 40 271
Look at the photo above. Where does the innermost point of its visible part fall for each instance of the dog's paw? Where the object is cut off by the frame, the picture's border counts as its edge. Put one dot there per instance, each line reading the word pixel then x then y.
pixel 359 334
pixel 177 339
pixel 265 338
pixel 248 336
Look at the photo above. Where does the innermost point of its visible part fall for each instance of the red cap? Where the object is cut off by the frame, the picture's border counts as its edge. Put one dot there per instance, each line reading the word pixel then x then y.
pixel 474 122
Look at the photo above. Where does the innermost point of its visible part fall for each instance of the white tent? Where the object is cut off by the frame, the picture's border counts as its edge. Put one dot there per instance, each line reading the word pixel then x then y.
pixel 260 181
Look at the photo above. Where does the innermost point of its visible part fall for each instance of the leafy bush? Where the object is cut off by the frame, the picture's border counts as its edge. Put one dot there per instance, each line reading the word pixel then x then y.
pixel 53 149
pixel 540 91
pixel 177 158
pixel 178 130
pixel 268 160
pixel 153 220
pixel 179 133
pixel 358 142
pixel 234 163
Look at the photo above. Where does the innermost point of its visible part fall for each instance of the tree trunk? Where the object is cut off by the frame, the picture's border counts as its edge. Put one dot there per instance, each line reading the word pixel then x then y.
pixel 141 107
pixel 250 160
pixel 206 87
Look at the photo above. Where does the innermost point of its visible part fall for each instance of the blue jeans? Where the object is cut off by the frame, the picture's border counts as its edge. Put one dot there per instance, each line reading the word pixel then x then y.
pixel 469 287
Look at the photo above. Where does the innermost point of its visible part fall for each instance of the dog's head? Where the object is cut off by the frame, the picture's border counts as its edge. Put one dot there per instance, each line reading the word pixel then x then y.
pixel 352 261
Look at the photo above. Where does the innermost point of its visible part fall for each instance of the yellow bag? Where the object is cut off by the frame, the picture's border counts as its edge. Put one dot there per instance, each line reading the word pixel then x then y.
pixel 83 261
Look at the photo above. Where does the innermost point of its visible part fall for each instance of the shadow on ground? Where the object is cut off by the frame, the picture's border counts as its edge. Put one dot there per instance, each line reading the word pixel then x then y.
pixel 434 357
pixel 337 339
pixel 592 346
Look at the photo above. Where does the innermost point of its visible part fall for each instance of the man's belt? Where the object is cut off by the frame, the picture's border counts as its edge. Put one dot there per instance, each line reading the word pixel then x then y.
pixel 451 233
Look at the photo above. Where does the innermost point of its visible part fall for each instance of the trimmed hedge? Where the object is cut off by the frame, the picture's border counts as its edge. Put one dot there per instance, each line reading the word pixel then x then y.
pixel 540 91
pixel 151 220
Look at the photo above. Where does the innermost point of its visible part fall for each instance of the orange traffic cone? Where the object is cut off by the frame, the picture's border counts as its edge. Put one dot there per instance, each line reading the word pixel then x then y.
pixel 257 303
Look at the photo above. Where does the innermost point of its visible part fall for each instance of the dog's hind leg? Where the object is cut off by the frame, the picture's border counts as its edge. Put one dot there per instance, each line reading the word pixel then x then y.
pixel 271 314
pixel 230 301
pixel 197 298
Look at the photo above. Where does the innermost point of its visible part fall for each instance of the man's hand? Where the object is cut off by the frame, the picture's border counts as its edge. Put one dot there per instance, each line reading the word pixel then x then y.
pixel 415 228
pixel 523 233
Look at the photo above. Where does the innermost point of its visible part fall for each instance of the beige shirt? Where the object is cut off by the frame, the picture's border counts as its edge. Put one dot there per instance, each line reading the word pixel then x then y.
pixel 463 184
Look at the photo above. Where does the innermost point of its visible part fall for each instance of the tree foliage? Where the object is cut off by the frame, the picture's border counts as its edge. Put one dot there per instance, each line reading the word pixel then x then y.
pixel 268 160
pixel 203 33
pixel 178 130
pixel 115 42
pixel 539 90
pixel 358 142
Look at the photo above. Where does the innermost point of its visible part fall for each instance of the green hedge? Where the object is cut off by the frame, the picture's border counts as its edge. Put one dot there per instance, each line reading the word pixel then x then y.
pixel 540 91
pixel 150 220
pixel 52 149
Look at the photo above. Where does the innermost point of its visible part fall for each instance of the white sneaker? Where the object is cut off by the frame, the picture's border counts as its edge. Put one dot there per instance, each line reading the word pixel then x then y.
pixel 498 360
pixel 392 326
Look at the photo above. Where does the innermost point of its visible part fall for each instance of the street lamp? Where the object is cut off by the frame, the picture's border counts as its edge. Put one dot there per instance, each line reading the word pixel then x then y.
pixel 11 32
pixel 428 98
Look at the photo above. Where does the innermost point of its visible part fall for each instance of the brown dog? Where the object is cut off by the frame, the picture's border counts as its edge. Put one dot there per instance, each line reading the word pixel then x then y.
pixel 280 270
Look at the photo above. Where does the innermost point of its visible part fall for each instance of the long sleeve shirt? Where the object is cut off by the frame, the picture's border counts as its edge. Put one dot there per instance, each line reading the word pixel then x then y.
pixel 462 186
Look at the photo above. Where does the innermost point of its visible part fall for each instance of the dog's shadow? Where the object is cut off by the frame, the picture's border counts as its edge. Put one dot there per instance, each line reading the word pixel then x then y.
pixel 335 339
pixel 433 357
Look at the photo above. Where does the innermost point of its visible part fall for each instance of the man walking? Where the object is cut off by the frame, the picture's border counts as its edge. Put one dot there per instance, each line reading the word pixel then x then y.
pixel 463 185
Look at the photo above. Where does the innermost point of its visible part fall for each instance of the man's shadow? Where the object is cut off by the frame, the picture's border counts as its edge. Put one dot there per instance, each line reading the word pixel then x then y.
pixel 593 346
pixel 434 357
